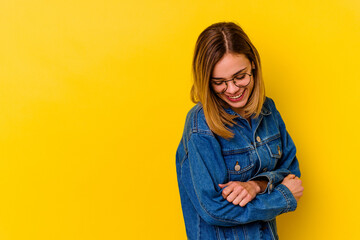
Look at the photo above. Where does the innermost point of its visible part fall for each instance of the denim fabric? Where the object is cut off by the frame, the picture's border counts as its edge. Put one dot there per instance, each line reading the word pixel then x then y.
pixel 203 160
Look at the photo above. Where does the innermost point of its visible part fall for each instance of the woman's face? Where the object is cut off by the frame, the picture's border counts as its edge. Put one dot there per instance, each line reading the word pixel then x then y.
pixel 229 66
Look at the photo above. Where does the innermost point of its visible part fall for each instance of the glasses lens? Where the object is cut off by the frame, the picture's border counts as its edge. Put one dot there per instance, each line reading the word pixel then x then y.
pixel 242 80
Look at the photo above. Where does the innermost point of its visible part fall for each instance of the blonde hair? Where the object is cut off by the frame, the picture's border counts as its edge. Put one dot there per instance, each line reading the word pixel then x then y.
pixel 212 44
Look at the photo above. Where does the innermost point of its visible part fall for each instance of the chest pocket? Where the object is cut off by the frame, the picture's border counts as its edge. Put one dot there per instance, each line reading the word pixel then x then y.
pixel 239 164
pixel 275 150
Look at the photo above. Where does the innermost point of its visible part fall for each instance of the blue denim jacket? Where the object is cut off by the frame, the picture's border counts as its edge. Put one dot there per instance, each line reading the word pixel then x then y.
pixel 204 159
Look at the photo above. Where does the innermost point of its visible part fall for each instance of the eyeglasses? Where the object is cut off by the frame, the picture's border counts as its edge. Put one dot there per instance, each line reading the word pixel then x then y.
pixel 241 80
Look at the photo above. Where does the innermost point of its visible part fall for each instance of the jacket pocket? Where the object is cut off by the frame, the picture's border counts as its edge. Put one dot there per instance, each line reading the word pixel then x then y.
pixel 275 150
pixel 239 166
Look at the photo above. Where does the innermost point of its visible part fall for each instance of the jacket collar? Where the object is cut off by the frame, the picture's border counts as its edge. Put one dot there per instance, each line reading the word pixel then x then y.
pixel 264 111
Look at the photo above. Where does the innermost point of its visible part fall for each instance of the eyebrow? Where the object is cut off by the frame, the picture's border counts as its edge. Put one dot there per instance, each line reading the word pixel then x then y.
pixel 232 75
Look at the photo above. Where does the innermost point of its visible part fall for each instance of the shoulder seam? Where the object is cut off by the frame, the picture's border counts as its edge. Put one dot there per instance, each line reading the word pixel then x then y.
pixel 195 128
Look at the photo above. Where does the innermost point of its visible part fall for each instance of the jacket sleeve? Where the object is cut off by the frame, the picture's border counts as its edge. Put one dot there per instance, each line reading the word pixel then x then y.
pixel 288 163
pixel 202 171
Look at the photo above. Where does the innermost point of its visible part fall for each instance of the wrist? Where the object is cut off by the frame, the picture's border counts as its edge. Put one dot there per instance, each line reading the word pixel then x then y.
pixel 256 185
pixel 262 184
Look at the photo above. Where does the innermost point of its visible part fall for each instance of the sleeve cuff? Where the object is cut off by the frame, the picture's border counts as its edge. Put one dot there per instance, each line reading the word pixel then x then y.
pixel 265 176
pixel 289 198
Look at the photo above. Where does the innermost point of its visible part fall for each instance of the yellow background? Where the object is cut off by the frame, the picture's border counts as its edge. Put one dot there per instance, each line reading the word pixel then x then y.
pixel 93 98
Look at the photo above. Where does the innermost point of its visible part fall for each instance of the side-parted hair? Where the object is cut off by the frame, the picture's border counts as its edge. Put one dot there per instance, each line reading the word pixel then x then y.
pixel 212 44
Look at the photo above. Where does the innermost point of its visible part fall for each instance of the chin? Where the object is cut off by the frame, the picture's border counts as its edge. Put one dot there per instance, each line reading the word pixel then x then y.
pixel 237 105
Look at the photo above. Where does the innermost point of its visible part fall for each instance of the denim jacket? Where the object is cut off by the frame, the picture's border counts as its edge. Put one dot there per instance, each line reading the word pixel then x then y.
pixel 204 159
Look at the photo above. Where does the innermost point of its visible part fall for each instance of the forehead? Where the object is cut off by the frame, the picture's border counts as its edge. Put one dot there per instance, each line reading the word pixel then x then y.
pixel 229 64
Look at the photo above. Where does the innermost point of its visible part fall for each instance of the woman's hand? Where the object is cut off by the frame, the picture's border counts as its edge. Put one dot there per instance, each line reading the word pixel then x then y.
pixel 240 193
pixel 293 183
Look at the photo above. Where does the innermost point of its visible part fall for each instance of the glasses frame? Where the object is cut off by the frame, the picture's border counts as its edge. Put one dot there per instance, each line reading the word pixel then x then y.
pixel 232 79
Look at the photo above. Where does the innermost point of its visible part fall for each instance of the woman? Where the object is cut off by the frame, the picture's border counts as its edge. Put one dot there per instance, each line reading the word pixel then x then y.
pixel 236 163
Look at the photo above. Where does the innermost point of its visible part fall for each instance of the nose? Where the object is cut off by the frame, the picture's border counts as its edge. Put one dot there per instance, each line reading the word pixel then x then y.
pixel 232 88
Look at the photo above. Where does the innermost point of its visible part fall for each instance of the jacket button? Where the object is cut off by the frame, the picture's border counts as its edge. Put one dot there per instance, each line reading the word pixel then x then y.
pixel 270 187
pixel 265 169
pixel 258 139
pixel 237 166
pixel 279 150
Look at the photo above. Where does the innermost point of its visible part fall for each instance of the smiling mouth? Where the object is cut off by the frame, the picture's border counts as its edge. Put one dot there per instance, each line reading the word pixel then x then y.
pixel 238 96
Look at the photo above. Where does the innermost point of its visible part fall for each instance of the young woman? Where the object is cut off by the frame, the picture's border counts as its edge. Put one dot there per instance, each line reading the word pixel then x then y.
pixel 236 163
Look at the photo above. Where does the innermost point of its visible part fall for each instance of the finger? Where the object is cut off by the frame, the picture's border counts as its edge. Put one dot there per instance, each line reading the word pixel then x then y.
pixel 237 200
pixel 246 200
pixel 232 196
pixel 235 188
pixel 222 185
pixel 240 197
pixel 226 191
pixel 290 176
pixel 244 193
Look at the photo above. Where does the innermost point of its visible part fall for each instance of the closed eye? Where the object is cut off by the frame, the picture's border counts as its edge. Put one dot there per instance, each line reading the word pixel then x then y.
pixel 239 77
pixel 218 82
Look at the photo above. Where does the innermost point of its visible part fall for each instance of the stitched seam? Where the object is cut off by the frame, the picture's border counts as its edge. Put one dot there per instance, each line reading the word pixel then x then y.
pixel 204 132
pixel 217 233
pixel 182 161
pixel 196 125
pixel 257 154
pixel 271 230
pixel 245 138
pixel 271 153
pixel 286 199
pixel 183 143
pixel 195 120
pixel 267 107
pixel 245 233
pixel 236 235
pixel 236 151
pixel 242 170
pixel 186 150
pixel 264 141
pixel 242 150
pixel 198 227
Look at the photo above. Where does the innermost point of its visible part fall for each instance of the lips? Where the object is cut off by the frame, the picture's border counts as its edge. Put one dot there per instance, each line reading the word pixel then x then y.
pixel 236 98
